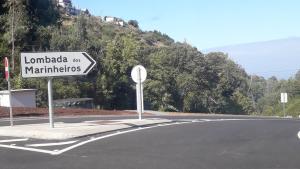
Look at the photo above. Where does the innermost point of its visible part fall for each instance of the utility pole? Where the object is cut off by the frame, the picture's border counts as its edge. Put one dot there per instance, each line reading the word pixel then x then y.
pixel 251 92
pixel 12 36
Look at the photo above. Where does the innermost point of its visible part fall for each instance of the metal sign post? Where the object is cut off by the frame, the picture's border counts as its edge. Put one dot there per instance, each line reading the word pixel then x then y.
pixel 142 98
pixel 10 105
pixel 139 75
pixel 283 107
pixel 138 100
pixel 50 99
pixel 7 77
pixel 139 91
pixel 53 64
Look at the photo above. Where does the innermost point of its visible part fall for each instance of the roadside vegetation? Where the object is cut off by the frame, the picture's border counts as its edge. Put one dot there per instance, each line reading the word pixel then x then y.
pixel 180 77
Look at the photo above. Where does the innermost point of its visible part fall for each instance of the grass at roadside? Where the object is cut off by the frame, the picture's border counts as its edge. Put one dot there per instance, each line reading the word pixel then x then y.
pixel 28 112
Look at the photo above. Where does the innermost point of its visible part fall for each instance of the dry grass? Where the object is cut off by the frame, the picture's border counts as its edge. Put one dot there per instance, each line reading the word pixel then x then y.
pixel 27 112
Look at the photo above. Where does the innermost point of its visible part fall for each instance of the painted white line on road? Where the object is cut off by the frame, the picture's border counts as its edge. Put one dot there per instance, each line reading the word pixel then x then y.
pixel 58 152
pixel 51 144
pixel 26 148
pixel 299 134
pixel 111 135
pixel 92 139
pixel 13 140
pixel 209 120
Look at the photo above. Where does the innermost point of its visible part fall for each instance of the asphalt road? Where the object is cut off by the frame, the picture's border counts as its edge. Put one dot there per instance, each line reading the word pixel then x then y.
pixel 209 144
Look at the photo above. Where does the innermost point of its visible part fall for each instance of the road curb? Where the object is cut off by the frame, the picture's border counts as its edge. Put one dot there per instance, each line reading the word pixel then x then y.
pixel 63 131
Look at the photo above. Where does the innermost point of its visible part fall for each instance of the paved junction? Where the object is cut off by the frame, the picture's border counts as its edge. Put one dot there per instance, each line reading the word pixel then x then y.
pixel 174 142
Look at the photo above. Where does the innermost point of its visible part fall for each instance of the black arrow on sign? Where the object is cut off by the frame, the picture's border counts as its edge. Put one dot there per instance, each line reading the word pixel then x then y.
pixel 91 60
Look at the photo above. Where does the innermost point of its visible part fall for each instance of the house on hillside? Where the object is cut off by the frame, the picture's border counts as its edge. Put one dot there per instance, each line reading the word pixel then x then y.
pixel 109 19
pixel 73 11
pixel 64 3
pixel 69 9
pixel 114 20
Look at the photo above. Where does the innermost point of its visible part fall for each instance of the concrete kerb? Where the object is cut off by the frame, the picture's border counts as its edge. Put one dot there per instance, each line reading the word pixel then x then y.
pixel 63 131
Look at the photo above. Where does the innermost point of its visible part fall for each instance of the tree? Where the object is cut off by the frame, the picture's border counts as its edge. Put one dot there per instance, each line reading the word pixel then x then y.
pixel 225 78
pixel 133 23
pixel 114 83
pixel 297 76
pixel 21 21
pixel 180 77
pixel 172 69
pixel 82 29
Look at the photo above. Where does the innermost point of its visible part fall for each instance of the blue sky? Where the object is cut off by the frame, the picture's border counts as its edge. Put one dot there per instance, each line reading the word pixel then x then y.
pixel 207 23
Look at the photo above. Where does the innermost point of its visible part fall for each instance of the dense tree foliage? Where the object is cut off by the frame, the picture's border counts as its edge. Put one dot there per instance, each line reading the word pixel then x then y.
pixel 133 23
pixel 180 77
pixel 267 95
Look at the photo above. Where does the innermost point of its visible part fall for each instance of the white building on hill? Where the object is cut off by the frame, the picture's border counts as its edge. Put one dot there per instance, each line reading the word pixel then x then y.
pixel 114 20
pixel 64 3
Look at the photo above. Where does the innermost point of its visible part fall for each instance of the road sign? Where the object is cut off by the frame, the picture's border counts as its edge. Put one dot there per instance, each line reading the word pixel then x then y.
pixel 284 98
pixel 135 73
pixel 139 74
pixel 6 64
pixel 49 64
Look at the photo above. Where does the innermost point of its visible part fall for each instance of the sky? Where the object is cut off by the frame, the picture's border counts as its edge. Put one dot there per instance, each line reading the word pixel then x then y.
pixel 206 24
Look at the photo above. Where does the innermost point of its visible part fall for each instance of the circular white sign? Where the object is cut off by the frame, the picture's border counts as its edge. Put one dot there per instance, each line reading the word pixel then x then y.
pixel 138 73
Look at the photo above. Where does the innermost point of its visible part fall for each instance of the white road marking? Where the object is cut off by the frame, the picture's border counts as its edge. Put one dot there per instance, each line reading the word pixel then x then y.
pixel 114 134
pixel 26 148
pixel 299 134
pixel 58 152
pixel 92 139
pixel 13 140
pixel 51 144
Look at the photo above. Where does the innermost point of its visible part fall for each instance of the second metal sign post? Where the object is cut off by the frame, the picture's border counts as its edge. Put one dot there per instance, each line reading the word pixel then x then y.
pixel 139 75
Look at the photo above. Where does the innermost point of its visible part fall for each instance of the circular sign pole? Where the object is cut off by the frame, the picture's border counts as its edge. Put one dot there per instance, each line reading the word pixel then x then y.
pixel 10 105
pixel 140 94
pixel 139 75
pixel 142 98
pixel 50 98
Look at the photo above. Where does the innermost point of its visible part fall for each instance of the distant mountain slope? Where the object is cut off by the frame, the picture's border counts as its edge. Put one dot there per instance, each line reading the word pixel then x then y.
pixel 280 58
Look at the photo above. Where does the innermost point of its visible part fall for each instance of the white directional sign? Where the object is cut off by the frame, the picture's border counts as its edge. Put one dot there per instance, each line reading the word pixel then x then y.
pixel 49 64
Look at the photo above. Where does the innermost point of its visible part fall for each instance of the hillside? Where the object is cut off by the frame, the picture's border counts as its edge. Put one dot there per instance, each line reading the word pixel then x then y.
pixel 180 77
pixel 270 58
